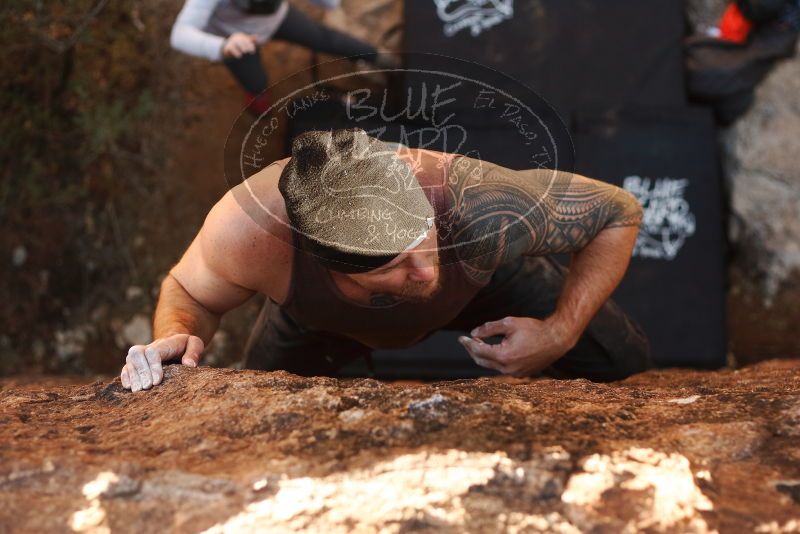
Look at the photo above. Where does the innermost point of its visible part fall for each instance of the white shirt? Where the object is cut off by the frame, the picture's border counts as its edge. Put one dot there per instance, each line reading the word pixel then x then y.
pixel 203 25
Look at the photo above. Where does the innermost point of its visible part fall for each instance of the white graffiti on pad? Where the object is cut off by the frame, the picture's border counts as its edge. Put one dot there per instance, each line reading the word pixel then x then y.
pixel 667 221
pixel 477 15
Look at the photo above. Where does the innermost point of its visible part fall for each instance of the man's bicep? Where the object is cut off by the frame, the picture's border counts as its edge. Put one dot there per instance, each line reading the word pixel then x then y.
pixel 200 277
pixel 216 269
pixel 576 208
pixel 503 213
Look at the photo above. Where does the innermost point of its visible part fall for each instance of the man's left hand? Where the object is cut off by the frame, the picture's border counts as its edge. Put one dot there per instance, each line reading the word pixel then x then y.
pixel 528 346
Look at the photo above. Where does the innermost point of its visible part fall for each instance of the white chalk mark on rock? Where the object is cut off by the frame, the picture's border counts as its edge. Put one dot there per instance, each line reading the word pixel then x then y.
pixel 675 498
pixel 685 400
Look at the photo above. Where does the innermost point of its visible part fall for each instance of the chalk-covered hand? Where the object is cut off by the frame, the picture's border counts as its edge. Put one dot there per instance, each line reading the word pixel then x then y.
pixel 528 346
pixel 143 369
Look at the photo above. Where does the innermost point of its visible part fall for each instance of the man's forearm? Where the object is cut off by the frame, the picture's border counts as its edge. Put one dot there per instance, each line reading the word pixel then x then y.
pixel 594 273
pixel 178 313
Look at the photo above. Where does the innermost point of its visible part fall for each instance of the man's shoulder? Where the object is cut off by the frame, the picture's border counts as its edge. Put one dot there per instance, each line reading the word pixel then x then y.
pixel 258 199
pixel 246 233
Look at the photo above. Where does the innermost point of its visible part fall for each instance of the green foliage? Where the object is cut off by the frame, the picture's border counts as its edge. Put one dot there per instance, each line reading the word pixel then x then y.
pixel 81 83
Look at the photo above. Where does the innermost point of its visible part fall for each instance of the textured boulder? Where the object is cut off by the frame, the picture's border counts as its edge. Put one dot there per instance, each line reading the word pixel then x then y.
pixel 764 181
pixel 760 162
pixel 227 450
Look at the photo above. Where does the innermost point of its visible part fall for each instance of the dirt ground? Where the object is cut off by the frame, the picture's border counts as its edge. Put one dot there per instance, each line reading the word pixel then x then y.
pixel 222 450
pixel 757 330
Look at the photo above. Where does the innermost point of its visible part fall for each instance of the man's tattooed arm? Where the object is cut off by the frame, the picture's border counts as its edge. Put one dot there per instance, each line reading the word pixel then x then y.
pixel 501 213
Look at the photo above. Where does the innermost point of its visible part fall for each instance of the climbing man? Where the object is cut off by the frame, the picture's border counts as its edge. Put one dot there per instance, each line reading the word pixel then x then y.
pixel 360 244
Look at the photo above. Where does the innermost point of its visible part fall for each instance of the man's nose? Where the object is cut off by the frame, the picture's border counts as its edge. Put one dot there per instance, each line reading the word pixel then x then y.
pixel 421 268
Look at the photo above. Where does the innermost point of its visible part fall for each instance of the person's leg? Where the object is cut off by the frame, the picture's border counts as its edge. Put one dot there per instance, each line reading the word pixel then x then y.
pixel 277 342
pixel 298 28
pixel 612 347
pixel 248 71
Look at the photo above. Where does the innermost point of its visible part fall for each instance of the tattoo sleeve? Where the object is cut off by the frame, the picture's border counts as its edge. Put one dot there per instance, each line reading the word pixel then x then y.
pixel 499 213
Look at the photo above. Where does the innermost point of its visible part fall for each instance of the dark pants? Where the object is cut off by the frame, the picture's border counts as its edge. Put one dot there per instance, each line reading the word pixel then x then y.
pixel 611 348
pixel 299 29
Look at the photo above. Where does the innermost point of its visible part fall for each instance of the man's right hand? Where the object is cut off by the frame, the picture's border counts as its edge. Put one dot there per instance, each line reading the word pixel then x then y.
pixel 238 44
pixel 142 368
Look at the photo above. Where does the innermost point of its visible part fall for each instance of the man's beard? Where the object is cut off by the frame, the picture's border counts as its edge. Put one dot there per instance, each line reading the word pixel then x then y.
pixel 420 291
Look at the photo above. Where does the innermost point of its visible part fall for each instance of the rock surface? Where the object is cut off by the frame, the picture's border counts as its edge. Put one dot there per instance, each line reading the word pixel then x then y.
pixel 764 180
pixel 223 450
pixel 761 167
